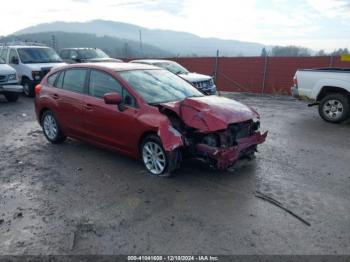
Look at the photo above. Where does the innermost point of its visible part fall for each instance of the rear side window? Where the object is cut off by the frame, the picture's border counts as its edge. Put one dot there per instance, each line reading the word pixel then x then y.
pixel 102 83
pixel 3 54
pixel 74 80
pixel 59 81
pixel 52 78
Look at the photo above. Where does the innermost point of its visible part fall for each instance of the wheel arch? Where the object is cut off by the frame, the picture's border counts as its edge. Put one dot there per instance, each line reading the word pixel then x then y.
pixel 327 90
pixel 41 113
pixel 142 137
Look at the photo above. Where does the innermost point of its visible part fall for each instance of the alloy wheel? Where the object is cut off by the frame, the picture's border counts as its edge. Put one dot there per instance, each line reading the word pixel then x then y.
pixel 154 157
pixel 26 89
pixel 50 127
pixel 333 109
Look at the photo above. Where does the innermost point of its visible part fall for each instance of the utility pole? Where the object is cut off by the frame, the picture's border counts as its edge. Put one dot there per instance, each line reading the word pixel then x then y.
pixel 54 45
pixel 126 51
pixel 216 69
pixel 141 47
pixel 265 72
pixel 331 61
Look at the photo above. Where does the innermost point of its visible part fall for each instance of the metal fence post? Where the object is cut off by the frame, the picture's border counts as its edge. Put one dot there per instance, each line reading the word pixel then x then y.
pixel 216 70
pixel 265 74
pixel 331 61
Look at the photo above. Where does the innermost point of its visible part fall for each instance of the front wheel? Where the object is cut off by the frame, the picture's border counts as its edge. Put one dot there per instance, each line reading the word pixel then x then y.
pixel 51 128
pixel 334 108
pixel 28 87
pixel 155 159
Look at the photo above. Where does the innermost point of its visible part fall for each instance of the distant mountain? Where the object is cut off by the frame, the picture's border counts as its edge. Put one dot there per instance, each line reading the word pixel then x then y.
pixel 178 43
pixel 115 47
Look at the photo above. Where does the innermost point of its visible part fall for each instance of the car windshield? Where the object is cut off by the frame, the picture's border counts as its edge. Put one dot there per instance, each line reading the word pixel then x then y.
pixel 38 55
pixel 2 61
pixel 159 86
pixel 92 53
pixel 172 67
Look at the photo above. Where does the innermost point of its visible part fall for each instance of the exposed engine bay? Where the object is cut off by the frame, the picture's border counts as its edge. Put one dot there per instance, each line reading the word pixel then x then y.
pixel 219 148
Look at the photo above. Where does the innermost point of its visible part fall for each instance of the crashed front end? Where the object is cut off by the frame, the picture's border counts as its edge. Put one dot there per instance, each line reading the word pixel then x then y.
pixel 237 142
pixel 217 130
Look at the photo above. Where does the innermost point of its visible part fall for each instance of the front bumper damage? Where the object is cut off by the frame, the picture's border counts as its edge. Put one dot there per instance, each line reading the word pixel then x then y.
pixel 223 158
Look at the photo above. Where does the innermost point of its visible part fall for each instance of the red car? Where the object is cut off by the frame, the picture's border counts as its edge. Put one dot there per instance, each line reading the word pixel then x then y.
pixel 145 112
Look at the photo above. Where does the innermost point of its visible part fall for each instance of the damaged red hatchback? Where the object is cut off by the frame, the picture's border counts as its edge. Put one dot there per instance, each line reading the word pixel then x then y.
pixel 145 112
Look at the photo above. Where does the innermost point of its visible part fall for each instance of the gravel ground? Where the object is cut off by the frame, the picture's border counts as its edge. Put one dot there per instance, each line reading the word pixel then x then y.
pixel 75 198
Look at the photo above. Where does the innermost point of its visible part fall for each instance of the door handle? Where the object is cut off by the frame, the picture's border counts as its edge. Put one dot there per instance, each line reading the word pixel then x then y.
pixel 88 107
pixel 55 96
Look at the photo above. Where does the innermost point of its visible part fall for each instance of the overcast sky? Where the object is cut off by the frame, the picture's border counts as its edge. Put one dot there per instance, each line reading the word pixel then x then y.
pixel 317 24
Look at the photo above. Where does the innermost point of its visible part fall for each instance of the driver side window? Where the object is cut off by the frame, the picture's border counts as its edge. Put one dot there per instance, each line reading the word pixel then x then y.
pixel 73 54
pixel 13 56
pixel 102 83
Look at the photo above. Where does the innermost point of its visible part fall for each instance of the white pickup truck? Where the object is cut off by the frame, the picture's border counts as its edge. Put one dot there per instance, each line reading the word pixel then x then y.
pixel 329 88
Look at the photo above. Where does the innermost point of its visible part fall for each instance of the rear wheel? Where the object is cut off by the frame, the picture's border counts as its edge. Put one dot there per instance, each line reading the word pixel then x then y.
pixel 334 108
pixel 11 97
pixel 28 87
pixel 51 128
pixel 156 160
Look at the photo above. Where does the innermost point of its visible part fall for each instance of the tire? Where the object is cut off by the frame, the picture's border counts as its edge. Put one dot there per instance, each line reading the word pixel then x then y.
pixel 28 87
pixel 163 164
pixel 334 108
pixel 11 97
pixel 51 128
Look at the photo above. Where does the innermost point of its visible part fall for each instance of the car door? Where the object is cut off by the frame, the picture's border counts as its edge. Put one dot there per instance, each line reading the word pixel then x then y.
pixel 14 62
pixel 69 96
pixel 110 125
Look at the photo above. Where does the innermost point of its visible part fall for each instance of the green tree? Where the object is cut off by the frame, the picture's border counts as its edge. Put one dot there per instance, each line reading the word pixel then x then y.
pixel 321 53
pixel 340 51
pixel 263 52
pixel 289 51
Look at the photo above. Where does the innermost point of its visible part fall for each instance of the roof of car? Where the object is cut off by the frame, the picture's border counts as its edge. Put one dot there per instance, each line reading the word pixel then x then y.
pixel 78 48
pixel 26 46
pixel 151 61
pixel 115 66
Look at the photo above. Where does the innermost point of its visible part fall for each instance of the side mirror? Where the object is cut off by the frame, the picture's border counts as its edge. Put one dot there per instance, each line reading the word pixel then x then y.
pixel 14 60
pixel 112 98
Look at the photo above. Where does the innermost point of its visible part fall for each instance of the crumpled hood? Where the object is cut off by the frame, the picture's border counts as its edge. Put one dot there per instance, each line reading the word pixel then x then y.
pixel 211 113
pixel 194 77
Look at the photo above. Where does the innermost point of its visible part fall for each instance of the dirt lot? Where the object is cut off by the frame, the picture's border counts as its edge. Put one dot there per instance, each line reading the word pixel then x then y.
pixel 77 199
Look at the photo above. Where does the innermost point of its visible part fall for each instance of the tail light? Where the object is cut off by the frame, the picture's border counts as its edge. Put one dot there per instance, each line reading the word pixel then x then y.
pixel 295 81
pixel 37 89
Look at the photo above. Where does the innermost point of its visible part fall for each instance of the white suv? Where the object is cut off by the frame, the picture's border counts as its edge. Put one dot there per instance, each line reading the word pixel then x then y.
pixel 203 83
pixel 9 82
pixel 31 62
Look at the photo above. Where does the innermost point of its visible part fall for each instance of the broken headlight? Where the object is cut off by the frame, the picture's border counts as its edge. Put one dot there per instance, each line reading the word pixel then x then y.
pixel 256 124
pixel 211 140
